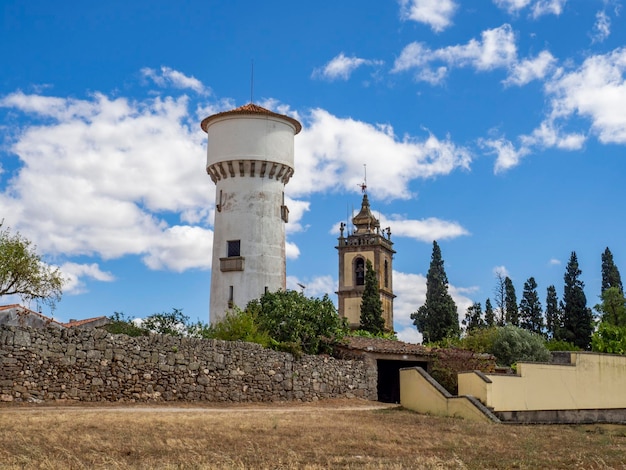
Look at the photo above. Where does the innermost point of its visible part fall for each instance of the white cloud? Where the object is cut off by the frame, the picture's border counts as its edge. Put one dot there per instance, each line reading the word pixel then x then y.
pixel 313 287
pixel 500 270
pixel 170 77
pixel 341 67
pixel 496 49
pixel 99 173
pixel 537 7
pixel 435 13
pixel 331 151
pixel 179 248
pixel 291 250
pixel 527 70
pixel 597 91
pixel 554 262
pixel 546 7
pixel 602 27
pixel 425 230
pixel 74 275
pixel 506 155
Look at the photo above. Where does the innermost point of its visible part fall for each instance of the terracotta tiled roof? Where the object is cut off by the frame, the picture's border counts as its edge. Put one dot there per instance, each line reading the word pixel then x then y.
pixel 30 312
pixel 249 109
pixel 380 345
pixel 75 323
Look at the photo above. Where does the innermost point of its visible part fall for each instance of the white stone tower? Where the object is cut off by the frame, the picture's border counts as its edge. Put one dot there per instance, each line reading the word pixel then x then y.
pixel 250 160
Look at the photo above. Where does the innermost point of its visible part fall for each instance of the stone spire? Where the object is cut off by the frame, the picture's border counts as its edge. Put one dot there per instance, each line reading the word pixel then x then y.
pixel 364 221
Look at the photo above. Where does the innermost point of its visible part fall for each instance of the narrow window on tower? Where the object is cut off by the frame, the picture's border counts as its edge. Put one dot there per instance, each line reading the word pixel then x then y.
pixel 386 274
pixel 231 296
pixel 359 271
pixel 234 248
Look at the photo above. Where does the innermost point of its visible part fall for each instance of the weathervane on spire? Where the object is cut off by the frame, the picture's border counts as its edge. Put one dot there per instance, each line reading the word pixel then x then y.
pixel 363 185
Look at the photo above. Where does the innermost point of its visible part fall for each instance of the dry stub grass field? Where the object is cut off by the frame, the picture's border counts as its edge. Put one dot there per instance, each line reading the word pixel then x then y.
pixel 336 434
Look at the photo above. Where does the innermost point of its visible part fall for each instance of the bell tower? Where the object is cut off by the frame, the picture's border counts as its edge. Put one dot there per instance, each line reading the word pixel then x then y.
pixel 366 242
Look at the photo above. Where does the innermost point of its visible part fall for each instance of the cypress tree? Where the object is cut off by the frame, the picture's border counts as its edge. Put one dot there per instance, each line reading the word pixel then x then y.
pixel 577 318
pixel 371 306
pixel 490 317
pixel 473 317
pixel 510 303
pixel 531 315
pixel 553 314
pixel 610 273
pixel 438 317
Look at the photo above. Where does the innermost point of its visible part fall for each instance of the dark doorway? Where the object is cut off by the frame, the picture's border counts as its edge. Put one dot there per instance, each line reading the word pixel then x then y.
pixel 389 378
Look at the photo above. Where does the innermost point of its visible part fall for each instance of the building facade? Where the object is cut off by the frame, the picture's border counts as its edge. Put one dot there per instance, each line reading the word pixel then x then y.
pixel 250 158
pixel 366 242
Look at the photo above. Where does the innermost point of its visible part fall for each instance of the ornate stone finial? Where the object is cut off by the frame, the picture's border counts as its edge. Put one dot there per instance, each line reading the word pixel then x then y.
pixel 388 230
pixel 342 226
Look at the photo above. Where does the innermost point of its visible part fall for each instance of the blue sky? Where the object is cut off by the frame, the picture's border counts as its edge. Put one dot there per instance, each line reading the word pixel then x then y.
pixel 496 127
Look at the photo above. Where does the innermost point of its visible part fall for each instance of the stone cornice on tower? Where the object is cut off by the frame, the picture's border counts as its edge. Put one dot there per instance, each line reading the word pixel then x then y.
pixel 250 109
pixel 254 168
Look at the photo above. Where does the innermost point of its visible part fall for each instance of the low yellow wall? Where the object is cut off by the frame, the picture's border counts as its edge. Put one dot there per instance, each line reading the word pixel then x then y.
pixel 418 394
pixel 592 381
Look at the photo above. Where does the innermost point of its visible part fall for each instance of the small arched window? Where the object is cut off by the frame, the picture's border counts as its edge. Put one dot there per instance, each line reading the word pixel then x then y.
pixel 359 271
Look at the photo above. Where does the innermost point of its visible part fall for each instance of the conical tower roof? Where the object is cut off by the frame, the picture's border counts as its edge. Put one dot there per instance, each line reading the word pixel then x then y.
pixel 364 221
pixel 250 109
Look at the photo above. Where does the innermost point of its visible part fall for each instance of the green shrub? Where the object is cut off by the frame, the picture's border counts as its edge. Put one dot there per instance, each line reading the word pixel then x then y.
pixel 609 339
pixel 297 323
pixel 122 325
pixel 512 344
pixel 480 340
pixel 560 345
pixel 239 325
pixel 368 334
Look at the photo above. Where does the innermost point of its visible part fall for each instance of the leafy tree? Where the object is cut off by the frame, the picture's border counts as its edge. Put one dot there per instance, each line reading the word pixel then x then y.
pixel 577 318
pixel 173 323
pixel 531 314
pixel 610 273
pixel 609 339
pixel 490 318
pixel 500 296
pixel 512 344
pixel 296 323
pixel 473 318
pixel 371 306
pixel 438 317
pixel 553 313
pixel 510 303
pixel 23 273
pixel 613 307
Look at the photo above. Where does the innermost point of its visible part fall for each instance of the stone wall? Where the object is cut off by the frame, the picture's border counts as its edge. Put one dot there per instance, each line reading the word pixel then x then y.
pixel 93 365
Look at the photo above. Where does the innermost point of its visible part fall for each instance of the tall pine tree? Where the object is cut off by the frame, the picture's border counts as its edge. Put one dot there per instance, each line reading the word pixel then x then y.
pixel 610 273
pixel 438 317
pixel 553 313
pixel 510 303
pixel 371 306
pixel 577 318
pixel 499 293
pixel 473 317
pixel 490 317
pixel 531 314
